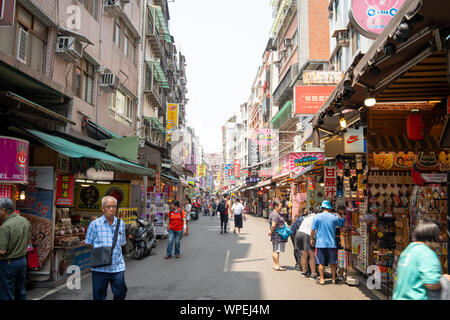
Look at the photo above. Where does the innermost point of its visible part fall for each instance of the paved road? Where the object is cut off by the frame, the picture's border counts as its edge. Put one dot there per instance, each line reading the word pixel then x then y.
pixel 216 266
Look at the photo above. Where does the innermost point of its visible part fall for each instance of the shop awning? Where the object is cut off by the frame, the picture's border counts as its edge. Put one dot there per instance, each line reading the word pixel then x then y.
pixel 159 16
pixel 156 124
pixel 126 147
pixel 303 171
pixel 413 71
pixel 281 176
pixel 283 115
pixel 261 184
pixel 76 35
pixel 104 161
pixel 160 77
pixel 26 107
pixel 99 131
pixel 170 177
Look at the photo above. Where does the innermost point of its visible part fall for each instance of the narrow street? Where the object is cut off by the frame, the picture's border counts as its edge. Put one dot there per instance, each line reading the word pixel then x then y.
pixel 214 267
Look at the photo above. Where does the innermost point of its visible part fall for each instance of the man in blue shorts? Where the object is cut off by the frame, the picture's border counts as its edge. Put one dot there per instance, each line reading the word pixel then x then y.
pixel 323 233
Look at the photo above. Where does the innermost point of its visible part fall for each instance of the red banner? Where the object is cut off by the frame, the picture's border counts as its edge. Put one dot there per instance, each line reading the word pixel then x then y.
pixel 237 168
pixel 64 190
pixel 309 99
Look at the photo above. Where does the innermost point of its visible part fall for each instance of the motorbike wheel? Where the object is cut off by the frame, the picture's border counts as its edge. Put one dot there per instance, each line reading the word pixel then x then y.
pixel 138 252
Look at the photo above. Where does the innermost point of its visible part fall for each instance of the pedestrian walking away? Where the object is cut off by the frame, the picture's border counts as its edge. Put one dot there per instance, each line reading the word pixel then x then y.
pixel 237 211
pixel 419 269
pixel 294 228
pixel 100 233
pixel 15 235
pixel 188 208
pixel 323 236
pixel 303 242
pixel 278 244
pixel 223 211
pixel 177 220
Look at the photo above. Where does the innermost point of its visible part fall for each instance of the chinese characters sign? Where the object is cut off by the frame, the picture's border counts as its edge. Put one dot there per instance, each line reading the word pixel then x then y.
pixel 322 77
pixel 14 160
pixel 263 136
pixel 330 179
pixel 201 170
pixel 64 190
pixel 6 191
pixel 171 120
pixel 309 99
pixel 237 168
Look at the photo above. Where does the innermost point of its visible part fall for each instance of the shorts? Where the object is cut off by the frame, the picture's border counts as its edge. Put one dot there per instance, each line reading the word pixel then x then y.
pixel 326 256
pixel 303 241
pixel 278 246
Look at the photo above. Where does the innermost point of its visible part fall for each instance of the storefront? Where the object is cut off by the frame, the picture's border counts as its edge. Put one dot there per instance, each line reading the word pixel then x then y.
pixel 399 92
pixel 66 182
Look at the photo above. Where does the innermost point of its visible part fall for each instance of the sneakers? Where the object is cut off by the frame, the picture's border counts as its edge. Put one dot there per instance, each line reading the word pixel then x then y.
pixel 221 231
pixel 304 275
pixel 314 276
pixel 298 267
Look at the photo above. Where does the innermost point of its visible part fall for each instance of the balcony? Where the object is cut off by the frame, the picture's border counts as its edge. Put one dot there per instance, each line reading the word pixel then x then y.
pixel 283 92
pixel 153 36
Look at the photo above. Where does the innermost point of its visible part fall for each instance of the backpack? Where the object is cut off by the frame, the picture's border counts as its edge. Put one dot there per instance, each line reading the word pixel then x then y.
pixel 222 207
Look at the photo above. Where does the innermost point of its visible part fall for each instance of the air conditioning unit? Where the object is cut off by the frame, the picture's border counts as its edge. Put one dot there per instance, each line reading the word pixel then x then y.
pixel 287 42
pixel 114 7
pixel 69 48
pixel 109 82
pixel 300 126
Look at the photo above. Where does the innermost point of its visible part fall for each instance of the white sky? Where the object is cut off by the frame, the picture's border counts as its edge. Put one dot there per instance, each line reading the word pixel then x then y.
pixel 223 42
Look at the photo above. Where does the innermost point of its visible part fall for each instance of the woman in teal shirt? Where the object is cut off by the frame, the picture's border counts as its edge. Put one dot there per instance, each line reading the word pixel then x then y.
pixel 419 268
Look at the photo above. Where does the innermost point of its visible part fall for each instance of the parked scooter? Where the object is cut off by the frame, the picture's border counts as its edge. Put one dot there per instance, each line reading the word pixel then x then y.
pixel 143 238
pixel 194 214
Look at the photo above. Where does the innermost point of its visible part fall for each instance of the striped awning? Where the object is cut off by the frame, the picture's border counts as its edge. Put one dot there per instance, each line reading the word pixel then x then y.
pixel 158 16
pixel 156 124
pixel 158 73
pixel 283 115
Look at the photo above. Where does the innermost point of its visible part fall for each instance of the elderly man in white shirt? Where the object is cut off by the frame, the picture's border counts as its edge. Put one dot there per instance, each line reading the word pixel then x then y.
pixel 237 211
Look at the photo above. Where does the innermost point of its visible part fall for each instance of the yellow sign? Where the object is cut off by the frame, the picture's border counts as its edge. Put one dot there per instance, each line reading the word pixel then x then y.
pixel 201 170
pixel 89 196
pixel 171 119
pixel 218 175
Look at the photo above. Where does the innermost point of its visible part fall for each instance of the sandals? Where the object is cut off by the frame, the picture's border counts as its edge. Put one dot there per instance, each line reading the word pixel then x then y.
pixel 279 268
pixel 320 283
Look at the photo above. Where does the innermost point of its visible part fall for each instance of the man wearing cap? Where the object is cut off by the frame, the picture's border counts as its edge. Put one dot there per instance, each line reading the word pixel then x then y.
pixel 323 236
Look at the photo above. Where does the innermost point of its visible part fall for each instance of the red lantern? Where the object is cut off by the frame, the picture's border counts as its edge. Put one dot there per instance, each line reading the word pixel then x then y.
pixel 415 127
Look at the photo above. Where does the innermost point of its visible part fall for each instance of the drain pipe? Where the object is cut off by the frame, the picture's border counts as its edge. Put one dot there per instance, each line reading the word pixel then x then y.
pixel 100 60
pixel 141 84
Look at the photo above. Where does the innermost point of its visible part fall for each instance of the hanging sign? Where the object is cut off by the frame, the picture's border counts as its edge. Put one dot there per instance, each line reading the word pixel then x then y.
pixel 237 168
pixel 309 99
pixel 330 179
pixel 14 160
pixel 371 17
pixel 89 197
pixel 171 119
pixel 6 191
pixel 64 190
pixel 201 170
pixel 354 141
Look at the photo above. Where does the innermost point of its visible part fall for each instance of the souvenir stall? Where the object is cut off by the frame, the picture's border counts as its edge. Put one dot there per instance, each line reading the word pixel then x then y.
pixel 406 183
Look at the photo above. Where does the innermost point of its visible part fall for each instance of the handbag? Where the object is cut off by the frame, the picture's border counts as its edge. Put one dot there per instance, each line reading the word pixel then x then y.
pixel 102 256
pixel 284 231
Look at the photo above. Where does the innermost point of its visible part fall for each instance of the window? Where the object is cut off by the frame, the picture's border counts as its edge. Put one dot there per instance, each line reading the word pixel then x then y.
pixel 125 45
pixel 31 40
pixel 91 6
pixel 123 40
pixel 355 41
pixel 84 81
pixel 117 34
pixel 339 60
pixel 122 107
pixel 336 10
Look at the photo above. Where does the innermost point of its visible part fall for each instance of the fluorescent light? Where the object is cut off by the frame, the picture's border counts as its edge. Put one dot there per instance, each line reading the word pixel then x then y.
pixel 343 122
pixel 89 181
pixel 370 102
pixel 103 182
pixel 85 185
pixel 80 180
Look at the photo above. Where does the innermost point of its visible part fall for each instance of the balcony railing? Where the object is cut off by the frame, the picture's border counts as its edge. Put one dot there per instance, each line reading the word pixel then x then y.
pixel 281 93
pixel 154 37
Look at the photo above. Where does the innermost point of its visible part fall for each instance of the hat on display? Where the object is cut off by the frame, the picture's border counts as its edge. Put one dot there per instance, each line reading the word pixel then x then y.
pixel 327 205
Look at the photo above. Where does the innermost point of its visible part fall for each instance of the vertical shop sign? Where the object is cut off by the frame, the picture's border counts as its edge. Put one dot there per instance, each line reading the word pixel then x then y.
pixel 237 168
pixel 253 153
pixel 330 179
pixel 64 190
pixel 171 119
pixel 157 181
pixel 6 191
pixel 201 170
pixel 227 170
